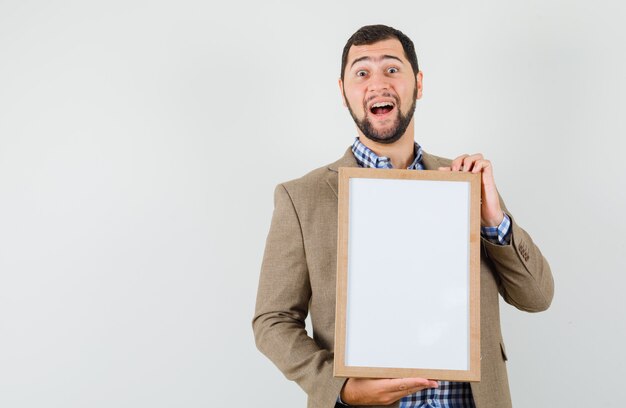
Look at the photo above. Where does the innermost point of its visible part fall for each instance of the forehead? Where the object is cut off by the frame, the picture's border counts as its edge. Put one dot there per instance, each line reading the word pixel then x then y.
pixel 376 50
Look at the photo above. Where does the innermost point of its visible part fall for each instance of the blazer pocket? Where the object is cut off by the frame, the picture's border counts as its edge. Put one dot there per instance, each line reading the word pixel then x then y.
pixel 503 350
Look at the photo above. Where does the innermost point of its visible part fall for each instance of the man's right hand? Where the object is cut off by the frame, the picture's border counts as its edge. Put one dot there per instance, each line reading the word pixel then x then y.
pixel 370 391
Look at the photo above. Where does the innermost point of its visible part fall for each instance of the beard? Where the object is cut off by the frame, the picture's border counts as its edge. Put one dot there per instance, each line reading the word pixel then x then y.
pixel 395 132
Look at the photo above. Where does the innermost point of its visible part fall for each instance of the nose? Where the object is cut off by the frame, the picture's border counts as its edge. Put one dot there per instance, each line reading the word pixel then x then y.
pixel 378 82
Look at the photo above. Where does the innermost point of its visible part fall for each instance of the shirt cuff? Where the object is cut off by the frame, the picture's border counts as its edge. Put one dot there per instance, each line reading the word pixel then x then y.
pixel 500 235
pixel 340 402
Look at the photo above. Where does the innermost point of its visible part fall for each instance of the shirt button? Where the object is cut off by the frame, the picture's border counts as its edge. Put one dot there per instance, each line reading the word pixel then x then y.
pixel 429 401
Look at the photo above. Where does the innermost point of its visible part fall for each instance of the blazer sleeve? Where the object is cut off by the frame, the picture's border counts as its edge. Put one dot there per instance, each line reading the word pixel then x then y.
pixel 282 306
pixel 525 277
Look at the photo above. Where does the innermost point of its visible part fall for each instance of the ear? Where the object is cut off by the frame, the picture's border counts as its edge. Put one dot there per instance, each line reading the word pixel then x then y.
pixel 418 78
pixel 343 94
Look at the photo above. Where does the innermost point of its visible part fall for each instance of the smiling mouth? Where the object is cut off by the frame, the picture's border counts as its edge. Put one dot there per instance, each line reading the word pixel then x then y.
pixel 381 109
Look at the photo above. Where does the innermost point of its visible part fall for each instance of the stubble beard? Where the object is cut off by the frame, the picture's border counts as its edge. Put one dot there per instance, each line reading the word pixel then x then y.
pixel 395 132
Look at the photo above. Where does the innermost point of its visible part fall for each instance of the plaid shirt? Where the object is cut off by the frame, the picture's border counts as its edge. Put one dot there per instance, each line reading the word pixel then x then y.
pixel 449 394
pixel 365 157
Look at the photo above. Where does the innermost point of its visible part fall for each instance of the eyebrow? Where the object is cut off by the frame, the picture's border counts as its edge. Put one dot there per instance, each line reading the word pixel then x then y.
pixel 366 58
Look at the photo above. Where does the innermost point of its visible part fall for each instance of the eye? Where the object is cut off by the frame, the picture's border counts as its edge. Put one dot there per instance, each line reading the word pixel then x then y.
pixel 392 70
pixel 361 73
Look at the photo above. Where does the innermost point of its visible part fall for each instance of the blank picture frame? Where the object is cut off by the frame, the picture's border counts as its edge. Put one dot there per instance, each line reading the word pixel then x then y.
pixel 408 275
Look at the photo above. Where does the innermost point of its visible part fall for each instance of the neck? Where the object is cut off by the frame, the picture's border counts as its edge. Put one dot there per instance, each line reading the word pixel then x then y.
pixel 401 153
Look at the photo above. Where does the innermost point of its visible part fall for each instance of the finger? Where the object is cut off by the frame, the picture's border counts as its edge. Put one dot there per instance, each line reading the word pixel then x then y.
pixel 428 384
pixel 418 389
pixel 412 390
pixel 403 384
pixel 481 165
pixel 444 168
pixel 469 161
pixel 456 163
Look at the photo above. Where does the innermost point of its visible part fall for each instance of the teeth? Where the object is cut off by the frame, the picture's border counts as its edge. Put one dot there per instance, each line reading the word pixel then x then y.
pixel 382 104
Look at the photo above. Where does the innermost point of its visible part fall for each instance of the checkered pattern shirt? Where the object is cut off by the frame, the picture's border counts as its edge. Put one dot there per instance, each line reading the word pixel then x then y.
pixel 449 394
pixel 365 157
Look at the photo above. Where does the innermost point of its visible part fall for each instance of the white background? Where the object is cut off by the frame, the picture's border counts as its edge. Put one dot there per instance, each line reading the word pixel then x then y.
pixel 140 142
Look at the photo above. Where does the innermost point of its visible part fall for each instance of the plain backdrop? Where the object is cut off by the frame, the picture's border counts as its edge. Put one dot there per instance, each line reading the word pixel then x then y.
pixel 140 143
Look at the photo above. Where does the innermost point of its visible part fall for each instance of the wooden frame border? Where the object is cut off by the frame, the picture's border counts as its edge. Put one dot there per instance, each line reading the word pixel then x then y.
pixel 340 369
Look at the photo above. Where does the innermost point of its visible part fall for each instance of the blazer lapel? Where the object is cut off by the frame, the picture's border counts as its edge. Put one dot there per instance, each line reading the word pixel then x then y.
pixel 332 178
pixel 429 161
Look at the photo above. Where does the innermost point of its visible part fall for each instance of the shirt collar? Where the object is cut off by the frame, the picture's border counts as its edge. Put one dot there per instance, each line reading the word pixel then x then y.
pixel 365 157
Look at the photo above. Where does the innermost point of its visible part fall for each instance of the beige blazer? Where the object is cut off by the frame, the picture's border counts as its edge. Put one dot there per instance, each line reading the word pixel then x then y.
pixel 298 277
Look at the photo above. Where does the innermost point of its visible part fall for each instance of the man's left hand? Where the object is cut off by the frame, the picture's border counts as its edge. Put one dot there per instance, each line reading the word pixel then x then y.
pixel 490 211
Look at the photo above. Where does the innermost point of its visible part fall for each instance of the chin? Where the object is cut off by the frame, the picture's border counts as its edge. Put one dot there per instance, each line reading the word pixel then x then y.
pixel 385 135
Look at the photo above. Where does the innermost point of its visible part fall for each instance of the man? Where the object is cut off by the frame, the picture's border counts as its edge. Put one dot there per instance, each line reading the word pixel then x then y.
pixel 380 84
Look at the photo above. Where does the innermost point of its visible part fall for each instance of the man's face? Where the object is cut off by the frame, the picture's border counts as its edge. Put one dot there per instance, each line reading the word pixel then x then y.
pixel 380 90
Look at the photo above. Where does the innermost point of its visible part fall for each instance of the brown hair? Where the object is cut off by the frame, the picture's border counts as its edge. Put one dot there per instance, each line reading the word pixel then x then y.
pixel 373 33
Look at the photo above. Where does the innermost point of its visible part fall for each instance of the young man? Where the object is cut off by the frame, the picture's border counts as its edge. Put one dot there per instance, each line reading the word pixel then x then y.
pixel 380 84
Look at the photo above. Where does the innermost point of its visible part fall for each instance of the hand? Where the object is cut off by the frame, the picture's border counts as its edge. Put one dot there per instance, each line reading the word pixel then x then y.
pixel 370 391
pixel 491 213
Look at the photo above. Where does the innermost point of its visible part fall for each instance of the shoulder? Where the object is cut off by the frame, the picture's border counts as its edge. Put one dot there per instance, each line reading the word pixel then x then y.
pixel 432 162
pixel 307 181
pixel 318 180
